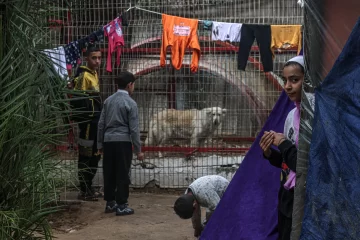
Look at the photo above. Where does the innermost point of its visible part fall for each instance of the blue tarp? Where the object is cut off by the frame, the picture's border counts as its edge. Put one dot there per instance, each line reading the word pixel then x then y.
pixel 248 209
pixel 332 203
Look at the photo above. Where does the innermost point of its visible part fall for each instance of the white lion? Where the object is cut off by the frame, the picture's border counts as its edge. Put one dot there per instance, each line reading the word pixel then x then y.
pixel 193 125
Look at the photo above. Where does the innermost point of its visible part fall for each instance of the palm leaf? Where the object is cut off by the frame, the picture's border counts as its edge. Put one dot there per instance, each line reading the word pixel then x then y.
pixel 32 99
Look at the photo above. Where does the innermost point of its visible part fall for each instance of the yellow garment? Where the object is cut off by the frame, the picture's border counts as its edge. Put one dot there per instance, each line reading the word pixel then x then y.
pixel 285 36
pixel 87 80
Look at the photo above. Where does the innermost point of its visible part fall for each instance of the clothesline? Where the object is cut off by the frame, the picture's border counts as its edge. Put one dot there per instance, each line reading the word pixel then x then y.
pixel 219 32
pixel 149 11
pixel 158 13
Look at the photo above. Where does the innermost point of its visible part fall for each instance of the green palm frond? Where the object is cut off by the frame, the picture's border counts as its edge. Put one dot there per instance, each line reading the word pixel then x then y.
pixel 32 100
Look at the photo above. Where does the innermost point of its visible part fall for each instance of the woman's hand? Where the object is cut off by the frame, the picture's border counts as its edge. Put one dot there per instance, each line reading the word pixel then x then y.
pixel 278 138
pixel 266 141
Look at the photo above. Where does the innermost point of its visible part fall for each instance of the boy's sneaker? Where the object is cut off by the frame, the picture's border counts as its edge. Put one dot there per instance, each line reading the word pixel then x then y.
pixel 123 210
pixel 110 207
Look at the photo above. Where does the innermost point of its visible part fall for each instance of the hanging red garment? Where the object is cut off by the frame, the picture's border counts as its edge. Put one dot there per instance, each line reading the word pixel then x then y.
pixel 115 36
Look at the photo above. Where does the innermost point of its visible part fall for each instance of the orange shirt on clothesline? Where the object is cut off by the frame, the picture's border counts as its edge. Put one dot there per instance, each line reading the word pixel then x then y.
pixel 180 33
pixel 285 36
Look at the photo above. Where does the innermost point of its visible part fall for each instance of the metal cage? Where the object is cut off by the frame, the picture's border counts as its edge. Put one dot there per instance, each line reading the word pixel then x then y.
pixel 248 96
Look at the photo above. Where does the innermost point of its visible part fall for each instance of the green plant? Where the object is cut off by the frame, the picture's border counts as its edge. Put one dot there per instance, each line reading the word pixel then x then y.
pixel 32 99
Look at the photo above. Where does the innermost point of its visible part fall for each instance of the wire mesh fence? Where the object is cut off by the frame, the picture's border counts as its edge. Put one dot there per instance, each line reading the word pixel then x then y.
pixel 176 105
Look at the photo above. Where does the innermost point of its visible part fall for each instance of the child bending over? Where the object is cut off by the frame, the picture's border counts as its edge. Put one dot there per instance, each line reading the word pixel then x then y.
pixel 203 192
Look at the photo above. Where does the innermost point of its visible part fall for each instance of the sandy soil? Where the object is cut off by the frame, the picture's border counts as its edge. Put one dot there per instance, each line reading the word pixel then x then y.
pixel 154 219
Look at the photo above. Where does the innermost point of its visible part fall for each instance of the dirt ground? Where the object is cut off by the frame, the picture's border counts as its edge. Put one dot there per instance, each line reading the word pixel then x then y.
pixel 154 219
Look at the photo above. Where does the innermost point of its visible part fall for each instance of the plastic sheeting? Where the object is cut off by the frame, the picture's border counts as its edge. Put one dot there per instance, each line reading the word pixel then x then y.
pixel 332 205
pixel 324 39
pixel 248 209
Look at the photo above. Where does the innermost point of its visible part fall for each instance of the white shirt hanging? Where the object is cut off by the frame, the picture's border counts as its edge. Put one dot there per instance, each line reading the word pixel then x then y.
pixel 57 56
pixel 226 31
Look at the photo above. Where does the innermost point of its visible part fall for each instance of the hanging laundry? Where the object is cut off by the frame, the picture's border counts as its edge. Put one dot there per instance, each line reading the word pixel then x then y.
pixel 180 33
pixel 207 25
pixel 95 37
pixel 262 34
pixel 57 56
pixel 124 19
pixel 286 36
pixel 98 35
pixel 115 36
pixel 72 54
pixel 226 31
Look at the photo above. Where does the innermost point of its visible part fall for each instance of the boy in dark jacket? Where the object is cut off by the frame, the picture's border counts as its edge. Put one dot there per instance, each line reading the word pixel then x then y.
pixel 86 113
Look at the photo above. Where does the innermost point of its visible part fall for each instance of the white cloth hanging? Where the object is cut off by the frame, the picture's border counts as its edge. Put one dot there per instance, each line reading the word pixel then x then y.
pixel 57 56
pixel 226 31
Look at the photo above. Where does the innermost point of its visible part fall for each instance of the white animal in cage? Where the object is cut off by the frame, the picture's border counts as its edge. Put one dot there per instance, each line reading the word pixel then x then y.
pixel 193 125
